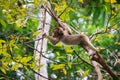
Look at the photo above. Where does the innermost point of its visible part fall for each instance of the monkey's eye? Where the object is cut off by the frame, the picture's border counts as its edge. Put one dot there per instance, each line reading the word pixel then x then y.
pixel 55 35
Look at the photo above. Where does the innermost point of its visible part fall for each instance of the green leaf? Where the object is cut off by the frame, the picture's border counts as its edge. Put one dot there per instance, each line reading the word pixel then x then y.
pixel 104 79
pixel 57 53
pixel 70 64
pixel 35 33
pixel 2 41
pixel 36 2
pixel 12 42
pixel 81 1
pixel 61 57
pixel 103 17
pixel 2 78
pixel 64 71
pixel 57 66
pixel 59 45
pixel 15 66
pixel 96 15
pixel 3 23
pixel 3 70
pixel 86 73
pixel 111 1
pixel 68 49
pixel 25 60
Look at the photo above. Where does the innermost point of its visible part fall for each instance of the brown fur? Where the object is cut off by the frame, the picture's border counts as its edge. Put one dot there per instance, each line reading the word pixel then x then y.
pixel 61 35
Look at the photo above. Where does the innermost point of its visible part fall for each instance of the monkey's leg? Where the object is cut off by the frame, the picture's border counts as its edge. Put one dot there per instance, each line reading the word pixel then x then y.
pixel 88 46
pixel 90 52
pixel 52 40
pixel 95 64
pixel 97 69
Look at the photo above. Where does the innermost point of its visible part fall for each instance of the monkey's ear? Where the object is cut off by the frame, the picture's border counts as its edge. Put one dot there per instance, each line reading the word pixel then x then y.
pixel 55 29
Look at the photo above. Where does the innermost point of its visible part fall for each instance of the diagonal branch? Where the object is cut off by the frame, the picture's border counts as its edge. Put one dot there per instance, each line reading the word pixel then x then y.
pixel 82 58
pixel 65 9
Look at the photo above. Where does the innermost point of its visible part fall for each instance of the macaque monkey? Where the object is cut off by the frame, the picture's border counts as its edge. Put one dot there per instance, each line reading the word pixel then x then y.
pixel 62 35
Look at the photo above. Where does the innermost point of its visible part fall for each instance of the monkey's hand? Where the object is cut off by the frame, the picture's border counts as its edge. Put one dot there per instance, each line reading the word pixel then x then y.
pixel 91 56
pixel 44 35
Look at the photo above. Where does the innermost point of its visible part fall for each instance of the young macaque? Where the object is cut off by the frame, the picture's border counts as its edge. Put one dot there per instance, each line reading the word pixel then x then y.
pixel 62 35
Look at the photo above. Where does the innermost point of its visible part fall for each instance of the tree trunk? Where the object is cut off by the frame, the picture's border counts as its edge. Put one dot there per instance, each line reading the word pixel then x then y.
pixel 41 45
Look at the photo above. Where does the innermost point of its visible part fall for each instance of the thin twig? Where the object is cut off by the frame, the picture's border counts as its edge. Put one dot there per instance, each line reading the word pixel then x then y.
pixel 33 40
pixel 32 70
pixel 7 77
pixel 81 58
pixel 42 54
pixel 102 32
pixel 65 9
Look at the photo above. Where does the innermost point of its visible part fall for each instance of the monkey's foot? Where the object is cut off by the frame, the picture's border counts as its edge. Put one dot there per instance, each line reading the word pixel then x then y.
pixel 44 35
pixel 91 56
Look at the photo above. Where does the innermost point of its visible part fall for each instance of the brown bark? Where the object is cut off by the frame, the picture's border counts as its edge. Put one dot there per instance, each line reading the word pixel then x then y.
pixel 98 58
pixel 97 69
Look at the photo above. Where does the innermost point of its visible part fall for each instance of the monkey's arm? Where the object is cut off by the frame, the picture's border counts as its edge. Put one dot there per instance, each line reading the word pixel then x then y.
pixel 64 26
pixel 51 39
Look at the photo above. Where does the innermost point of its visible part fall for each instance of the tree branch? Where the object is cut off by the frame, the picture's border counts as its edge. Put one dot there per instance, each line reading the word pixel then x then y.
pixel 81 58
pixel 65 9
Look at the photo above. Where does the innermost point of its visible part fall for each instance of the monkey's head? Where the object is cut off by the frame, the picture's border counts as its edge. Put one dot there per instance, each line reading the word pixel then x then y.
pixel 57 32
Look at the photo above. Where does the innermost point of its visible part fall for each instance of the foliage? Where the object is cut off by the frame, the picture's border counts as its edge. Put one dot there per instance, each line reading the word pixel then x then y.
pixel 99 20
pixel 16 30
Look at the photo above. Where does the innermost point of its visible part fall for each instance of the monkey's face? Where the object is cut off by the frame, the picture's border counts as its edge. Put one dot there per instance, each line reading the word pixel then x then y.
pixel 57 32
